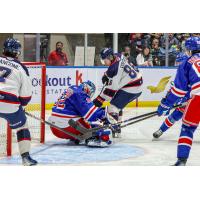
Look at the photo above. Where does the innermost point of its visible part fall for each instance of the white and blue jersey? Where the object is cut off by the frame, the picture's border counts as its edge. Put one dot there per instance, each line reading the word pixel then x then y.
pixel 122 76
pixel 187 80
pixel 15 85
pixel 74 103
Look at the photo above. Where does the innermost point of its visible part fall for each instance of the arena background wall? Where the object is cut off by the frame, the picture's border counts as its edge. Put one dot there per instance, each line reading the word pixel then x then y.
pixel 156 82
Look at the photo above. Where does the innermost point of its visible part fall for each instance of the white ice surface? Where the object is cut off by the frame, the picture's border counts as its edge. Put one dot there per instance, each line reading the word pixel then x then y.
pixel 135 148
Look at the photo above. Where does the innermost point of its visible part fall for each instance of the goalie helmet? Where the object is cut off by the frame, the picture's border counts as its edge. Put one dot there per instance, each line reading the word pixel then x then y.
pixel 89 88
pixel 12 47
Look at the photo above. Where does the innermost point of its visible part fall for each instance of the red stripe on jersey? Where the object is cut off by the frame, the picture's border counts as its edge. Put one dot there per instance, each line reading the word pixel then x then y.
pixel 90 113
pixel 10 102
pixel 3 92
pixel 195 87
pixel 177 92
pixel 63 116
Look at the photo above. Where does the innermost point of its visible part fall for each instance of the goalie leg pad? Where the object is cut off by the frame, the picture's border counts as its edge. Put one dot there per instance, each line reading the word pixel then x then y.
pixel 70 129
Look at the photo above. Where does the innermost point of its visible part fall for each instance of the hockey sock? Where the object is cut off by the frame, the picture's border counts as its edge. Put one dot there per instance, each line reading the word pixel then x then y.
pixel 185 141
pixel 24 140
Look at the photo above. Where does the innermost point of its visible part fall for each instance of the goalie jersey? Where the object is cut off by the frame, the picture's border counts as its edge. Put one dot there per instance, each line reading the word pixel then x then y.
pixel 74 103
pixel 187 80
pixel 15 85
pixel 122 76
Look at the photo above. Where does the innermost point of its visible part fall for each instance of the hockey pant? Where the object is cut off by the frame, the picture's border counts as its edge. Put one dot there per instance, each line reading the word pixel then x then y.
pixel 191 119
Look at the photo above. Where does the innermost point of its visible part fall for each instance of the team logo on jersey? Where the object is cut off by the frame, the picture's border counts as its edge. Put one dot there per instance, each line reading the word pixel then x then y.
pixel 88 100
pixel 160 86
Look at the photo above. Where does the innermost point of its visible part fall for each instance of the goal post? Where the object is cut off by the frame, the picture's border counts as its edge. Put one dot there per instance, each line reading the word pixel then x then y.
pixel 8 141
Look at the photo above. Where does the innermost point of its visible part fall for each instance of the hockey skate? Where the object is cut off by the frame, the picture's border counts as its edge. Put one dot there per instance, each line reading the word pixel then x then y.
pixel 27 160
pixel 157 134
pixel 96 141
pixel 180 162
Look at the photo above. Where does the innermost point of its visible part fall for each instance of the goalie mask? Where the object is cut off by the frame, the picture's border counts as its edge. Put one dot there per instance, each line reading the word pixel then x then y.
pixel 89 88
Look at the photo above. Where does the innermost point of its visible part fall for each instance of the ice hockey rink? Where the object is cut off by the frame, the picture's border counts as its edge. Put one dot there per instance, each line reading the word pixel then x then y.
pixel 134 148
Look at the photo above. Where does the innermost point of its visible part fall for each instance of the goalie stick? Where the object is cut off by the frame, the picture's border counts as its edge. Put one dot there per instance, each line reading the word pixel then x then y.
pixel 84 130
pixel 83 136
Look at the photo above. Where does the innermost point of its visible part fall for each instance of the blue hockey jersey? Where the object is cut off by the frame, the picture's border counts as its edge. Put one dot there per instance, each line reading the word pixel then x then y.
pixel 75 103
pixel 187 80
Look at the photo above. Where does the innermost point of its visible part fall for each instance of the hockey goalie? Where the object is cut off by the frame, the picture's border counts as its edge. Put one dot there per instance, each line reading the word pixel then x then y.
pixel 75 103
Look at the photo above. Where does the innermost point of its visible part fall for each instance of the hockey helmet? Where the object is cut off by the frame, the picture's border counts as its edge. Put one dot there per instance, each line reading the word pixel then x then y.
pixel 89 87
pixel 193 43
pixel 12 47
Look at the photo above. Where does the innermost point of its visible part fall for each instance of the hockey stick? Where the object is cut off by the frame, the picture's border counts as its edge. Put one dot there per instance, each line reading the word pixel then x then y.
pixel 84 130
pixel 83 136
pixel 134 122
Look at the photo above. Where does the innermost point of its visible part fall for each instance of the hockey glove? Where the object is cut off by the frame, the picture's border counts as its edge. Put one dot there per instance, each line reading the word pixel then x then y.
pixel 98 101
pixel 163 108
pixel 105 79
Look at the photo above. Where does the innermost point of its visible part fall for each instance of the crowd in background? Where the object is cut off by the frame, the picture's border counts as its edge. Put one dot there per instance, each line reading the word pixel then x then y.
pixel 141 49
pixel 149 49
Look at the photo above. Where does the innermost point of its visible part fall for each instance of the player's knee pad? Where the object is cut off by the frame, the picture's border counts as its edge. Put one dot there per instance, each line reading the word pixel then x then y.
pixel 176 115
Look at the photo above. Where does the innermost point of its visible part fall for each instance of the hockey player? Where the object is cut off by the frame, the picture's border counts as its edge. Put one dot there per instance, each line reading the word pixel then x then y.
pixel 178 112
pixel 122 83
pixel 75 103
pixel 15 94
pixel 187 78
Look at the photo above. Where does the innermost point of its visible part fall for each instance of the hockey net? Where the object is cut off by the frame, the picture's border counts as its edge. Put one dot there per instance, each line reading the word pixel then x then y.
pixel 8 139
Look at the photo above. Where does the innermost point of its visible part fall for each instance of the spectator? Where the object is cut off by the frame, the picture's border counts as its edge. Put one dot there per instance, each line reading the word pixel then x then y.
pixel 58 57
pixel 185 37
pixel 144 58
pixel 155 52
pixel 173 41
pixel 137 44
pixel 127 54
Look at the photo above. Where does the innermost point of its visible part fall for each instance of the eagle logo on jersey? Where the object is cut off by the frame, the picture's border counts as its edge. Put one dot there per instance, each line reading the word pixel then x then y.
pixel 160 86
